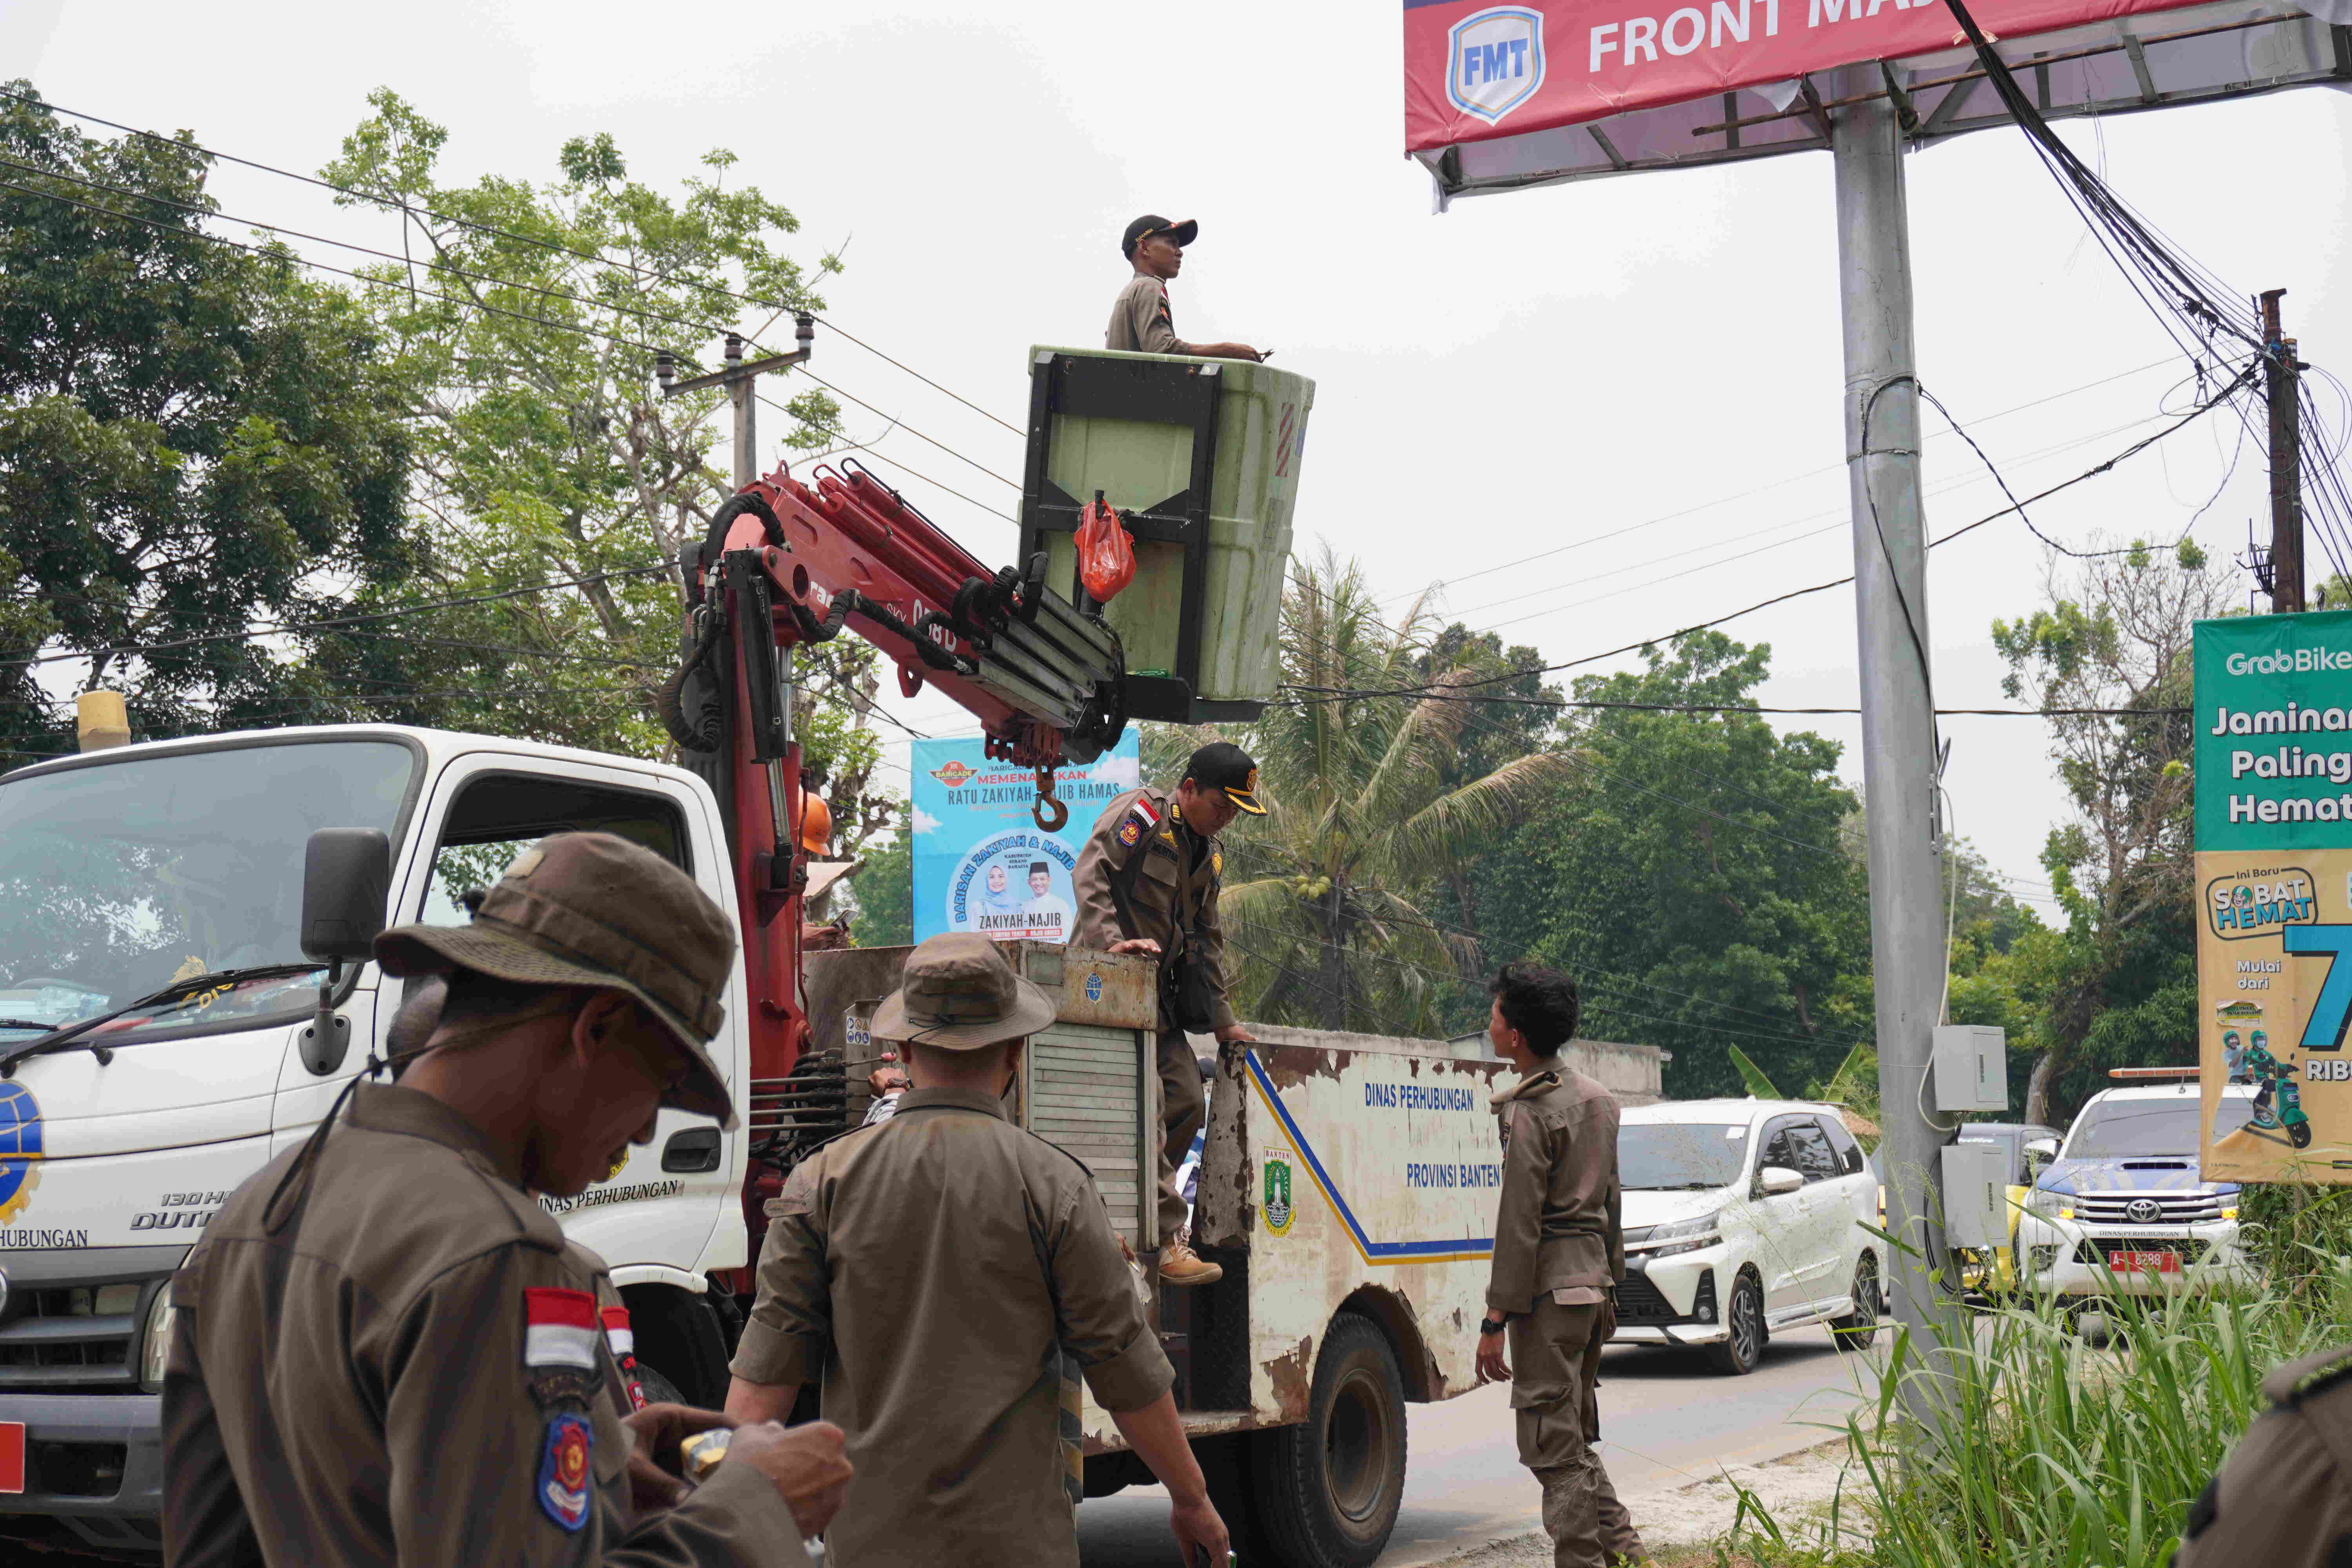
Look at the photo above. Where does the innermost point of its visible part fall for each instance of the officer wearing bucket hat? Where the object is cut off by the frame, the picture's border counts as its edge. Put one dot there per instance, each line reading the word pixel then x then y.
pixel 385 1351
pixel 950 1277
pixel 1146 883
pixel 1141 322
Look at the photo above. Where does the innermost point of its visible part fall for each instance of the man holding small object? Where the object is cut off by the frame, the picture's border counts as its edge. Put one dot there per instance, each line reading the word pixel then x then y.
pixel 1560 1251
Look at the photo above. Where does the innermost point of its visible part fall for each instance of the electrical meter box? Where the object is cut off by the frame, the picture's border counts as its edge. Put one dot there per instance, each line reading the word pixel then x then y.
pixel 1976 1194
pixel 1201 458
pixel 1971 1068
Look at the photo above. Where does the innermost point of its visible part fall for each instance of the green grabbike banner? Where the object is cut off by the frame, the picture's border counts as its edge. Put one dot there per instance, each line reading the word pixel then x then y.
pixel 2272 718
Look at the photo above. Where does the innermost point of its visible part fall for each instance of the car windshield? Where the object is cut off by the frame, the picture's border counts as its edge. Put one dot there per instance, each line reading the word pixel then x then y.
pixel 120 878
pixel 1676 1155
pixel 2113 1128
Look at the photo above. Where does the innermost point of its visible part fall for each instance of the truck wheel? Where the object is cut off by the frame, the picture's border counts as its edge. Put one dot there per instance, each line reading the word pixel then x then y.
pixel 1328 1489
pixel 1858 1328
pixel 1742 1345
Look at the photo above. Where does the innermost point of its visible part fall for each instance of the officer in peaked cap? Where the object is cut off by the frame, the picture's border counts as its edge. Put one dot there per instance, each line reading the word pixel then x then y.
pixel 384 1352
pixel 950 1277
pixel 2284 1498
pixel 1146 883
pixel 1141 322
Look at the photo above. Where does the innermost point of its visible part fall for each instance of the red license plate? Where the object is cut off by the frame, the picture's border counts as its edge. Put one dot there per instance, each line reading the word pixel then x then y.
pixel 12 1455
pixel 2144 1262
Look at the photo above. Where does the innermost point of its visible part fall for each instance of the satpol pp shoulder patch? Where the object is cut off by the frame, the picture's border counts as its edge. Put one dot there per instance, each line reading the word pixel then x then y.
pixel 1142 817
pixel 563 1469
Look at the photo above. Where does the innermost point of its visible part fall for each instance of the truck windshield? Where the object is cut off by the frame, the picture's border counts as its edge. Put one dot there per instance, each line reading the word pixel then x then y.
pixel 2112 1129
pixel 1676 1156
pixel 119 878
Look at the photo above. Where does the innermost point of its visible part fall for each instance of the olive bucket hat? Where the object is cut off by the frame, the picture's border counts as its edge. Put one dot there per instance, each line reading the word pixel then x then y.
pixel 959 995
pixel 595 909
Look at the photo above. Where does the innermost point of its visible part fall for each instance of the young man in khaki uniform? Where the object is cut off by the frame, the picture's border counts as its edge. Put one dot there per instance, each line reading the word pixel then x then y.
pixel 1140 320
pixel 384 1352
pixel 950 1277
pixel 2283 1498
pixel 1146 883
pixel 1560 1251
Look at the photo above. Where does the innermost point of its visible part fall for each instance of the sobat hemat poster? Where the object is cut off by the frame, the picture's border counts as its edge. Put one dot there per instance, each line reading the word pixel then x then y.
pixel 981 863
pixel 2274 757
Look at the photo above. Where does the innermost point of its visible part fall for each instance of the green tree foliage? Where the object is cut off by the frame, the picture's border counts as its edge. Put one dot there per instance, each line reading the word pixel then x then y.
pixel 194 438
pixel 1690 870
pixel 884 891
pixel 544 452
pixel 1328 902
pixel 2118 986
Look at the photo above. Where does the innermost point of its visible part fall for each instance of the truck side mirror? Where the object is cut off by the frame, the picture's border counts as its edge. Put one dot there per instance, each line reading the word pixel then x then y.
pixel 2042 1151
pixel 346 879
pixel 346 882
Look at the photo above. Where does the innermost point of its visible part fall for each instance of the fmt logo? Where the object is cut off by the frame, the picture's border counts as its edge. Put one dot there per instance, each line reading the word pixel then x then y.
pixel 1496 61
pixel 953 775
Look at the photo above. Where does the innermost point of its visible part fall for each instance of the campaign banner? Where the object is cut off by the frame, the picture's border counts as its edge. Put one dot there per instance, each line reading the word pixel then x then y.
pixel 2272 713
pixel 1475 72
pixel 981 863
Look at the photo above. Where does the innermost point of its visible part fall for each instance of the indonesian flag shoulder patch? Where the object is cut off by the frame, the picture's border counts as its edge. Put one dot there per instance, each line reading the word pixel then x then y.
pixel 563 1470
pixel 559 1328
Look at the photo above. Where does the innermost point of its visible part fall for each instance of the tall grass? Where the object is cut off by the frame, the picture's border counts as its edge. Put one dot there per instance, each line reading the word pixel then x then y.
pixel 2055 1454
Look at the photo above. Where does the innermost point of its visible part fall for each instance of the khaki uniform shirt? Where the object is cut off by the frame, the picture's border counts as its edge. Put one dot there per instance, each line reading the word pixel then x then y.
pixel 1175 896
pixel 365 1386
pixel 1141 321
pixel 2283 1498
pixel 1556 1230
pixel 935 1271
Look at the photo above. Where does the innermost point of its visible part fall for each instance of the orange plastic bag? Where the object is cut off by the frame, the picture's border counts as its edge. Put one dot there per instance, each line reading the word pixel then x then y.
pixel 1106 554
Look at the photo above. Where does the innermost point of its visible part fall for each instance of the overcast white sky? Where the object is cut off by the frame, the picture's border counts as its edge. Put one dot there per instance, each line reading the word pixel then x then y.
pixel 1526 372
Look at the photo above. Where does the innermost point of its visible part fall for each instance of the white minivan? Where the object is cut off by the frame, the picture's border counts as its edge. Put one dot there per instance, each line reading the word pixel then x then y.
pixel 1745 1216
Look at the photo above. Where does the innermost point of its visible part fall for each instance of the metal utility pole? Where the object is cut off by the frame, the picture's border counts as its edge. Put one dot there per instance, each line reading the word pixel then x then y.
pixel 1898 727
pixel 741 381
pixel 2281 383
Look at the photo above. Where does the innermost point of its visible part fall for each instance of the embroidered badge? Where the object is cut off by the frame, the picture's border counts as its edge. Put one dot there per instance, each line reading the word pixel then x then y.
pixel 1216 862
pixel 563 1470
pixel 1130 832
pixel 624 1340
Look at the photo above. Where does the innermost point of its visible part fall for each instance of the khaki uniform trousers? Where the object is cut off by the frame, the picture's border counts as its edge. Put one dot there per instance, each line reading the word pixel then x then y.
pixel 1183 1106
pixel 1555 1359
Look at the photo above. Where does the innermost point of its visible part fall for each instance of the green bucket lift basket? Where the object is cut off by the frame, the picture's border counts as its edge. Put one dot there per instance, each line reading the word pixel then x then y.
pixel 1201 458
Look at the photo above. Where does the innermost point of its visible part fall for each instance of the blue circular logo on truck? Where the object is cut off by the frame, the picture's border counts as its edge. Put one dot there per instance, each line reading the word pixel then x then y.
pixel 20 1148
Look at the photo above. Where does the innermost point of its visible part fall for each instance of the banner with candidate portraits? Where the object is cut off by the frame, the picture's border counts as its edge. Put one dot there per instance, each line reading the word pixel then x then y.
pixel 981 863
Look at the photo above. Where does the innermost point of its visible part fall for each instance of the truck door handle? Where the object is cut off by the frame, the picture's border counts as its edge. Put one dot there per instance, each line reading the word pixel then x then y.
pixel 691 1151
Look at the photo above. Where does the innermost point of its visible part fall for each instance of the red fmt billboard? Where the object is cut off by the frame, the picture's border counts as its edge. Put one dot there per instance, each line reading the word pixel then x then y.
pixel 1498 96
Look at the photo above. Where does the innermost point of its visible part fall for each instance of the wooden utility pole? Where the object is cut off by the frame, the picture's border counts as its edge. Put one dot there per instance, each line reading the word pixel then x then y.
pixel 2279 374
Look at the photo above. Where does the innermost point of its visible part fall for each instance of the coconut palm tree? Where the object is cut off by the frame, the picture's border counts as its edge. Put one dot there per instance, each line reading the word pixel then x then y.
pixel 1325 907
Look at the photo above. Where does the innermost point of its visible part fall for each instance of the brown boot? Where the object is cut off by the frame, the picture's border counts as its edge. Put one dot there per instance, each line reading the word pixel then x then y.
pixel 1179 1265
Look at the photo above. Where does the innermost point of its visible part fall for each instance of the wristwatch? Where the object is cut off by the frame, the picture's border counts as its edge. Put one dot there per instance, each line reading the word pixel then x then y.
pixel 1491 1325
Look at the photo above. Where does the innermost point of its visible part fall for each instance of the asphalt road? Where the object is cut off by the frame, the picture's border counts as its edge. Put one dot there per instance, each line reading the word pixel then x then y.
pixel 1666 1420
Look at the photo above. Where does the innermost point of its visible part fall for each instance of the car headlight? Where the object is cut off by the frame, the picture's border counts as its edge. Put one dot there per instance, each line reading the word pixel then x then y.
pixel 1680 1236
pixel 2046 1204
pixel 156 1349
pixel 2229 1213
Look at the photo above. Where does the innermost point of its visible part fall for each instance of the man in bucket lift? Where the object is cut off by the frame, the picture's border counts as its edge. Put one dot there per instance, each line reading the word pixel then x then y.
pixel 1140 322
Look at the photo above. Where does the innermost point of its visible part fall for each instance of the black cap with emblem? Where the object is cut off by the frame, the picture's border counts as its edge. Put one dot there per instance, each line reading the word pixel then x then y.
pixel 1223 765
pixel 1152 223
